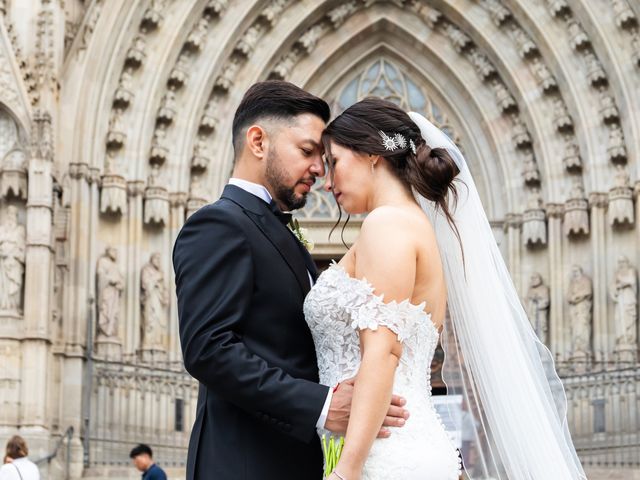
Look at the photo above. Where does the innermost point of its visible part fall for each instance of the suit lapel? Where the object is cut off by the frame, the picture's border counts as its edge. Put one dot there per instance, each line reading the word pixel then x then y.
pixel 278 234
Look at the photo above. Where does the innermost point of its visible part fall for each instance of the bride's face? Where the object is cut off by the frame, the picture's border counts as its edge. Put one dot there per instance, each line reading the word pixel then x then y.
pixel 349 177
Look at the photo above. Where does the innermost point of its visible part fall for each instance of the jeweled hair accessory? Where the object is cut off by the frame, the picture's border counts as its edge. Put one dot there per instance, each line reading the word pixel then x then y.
pixel 396 141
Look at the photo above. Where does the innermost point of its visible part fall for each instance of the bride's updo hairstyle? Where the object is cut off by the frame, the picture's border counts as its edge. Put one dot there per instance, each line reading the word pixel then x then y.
pixel 430 171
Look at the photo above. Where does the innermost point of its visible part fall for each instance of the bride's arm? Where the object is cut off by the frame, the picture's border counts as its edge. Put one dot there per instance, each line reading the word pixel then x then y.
pixel 386 257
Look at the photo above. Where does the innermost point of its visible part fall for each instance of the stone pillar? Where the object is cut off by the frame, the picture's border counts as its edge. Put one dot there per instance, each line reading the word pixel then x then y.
pixel 78 291
pixel 513 224
pixel 598 205
pixel 555 213
pixel 133 265
pixel 176 220
pixel 36 345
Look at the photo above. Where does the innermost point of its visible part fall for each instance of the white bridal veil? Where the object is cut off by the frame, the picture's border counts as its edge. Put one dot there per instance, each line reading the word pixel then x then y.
pixel 493 358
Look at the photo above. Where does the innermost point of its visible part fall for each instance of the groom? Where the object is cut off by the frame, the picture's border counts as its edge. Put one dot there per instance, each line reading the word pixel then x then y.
pixel 241 279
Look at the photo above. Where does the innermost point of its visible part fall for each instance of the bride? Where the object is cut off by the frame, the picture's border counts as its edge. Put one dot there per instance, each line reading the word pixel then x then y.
pixel 426 246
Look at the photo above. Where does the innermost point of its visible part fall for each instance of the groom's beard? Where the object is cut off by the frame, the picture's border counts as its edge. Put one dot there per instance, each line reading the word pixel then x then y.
pixel 276 177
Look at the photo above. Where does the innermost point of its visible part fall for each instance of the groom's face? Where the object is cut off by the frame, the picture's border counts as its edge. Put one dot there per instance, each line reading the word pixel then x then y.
pixel 294 159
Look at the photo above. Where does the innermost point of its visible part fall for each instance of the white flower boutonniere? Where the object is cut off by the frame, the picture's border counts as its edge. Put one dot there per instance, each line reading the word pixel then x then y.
pixel 300 234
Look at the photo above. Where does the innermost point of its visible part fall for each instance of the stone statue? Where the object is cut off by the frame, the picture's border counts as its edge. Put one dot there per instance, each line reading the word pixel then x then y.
pixel 110 286
pixel 154 299
pixel 624 292
pixel 12 258
pixel 580 310
pixel 538 301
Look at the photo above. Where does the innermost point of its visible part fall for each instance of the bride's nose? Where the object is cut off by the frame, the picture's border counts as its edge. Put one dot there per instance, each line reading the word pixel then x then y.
pixel 327 183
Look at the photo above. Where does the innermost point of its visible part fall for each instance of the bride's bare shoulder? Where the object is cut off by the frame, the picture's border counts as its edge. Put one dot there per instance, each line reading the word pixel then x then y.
pixel 395 222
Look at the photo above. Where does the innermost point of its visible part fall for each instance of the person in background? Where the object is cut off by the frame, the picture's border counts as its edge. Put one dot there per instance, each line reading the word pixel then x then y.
pixel 17 465
pixel 142 458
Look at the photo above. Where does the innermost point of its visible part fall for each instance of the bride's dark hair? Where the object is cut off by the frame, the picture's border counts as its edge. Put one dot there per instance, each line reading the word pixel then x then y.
pixel 430 171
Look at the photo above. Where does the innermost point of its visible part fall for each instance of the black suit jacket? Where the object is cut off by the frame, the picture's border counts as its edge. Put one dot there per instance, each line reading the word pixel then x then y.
pixel 241 278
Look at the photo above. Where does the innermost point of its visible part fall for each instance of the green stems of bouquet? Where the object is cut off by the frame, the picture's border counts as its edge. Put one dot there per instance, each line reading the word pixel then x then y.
pixel 332 450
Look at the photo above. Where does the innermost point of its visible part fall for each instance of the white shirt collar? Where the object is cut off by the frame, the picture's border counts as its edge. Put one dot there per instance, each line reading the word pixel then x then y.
pixel 256 189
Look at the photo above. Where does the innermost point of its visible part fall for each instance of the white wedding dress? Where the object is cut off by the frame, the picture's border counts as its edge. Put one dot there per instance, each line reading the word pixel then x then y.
pixel 336 308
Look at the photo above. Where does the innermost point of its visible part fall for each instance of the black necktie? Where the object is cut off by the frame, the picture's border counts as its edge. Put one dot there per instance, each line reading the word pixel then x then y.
pixel 284 218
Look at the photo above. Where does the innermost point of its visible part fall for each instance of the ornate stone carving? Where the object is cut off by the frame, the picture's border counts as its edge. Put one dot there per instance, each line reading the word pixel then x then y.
pixel 197 37
pixel 579 39
pixel 271 12
pixel 625 16
pixel 635 45
pixel 616 149
pixel 559 8
pixel 483 66
pixel 110 286
pixel 580 298
pixel 152 17
pixel 116 135
pixel 498 12
pixel 571 159
pixel 201 155
pixel 225 80
pixel 159 147
pixel 608 110
pixel 538 302
pixel 505 100
pixel 156 200
pixel 214 8
pixel 461 41
pixel 208 122
pixel 154 301
pixel 561 118
pixel 621 199
pixel 309 39
pixel 576 216
pixel 247 44
pixel 432 17
pixel 179 73
pixel 41 136
pixel 136 54
pixel 168 108
pixel 543 75
pixel 198 196
pixel 521 136
pixel 113 195
pixel 595 73
pixel 339 14
pixel 624 293
pixel 526 47
pixel 12 260
pixel 534 230
pixel 530 171
pixel 13 174
pixel 124 93
pixel 284 67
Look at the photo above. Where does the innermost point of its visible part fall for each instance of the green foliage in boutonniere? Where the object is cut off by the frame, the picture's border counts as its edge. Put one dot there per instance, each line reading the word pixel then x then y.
pixel 300 234
pixel 332 450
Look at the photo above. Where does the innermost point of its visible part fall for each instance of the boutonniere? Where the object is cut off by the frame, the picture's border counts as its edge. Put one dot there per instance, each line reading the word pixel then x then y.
pixel 300 234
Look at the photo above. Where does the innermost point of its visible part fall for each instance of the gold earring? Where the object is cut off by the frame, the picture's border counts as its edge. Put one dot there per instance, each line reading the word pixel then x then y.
pixel 372 167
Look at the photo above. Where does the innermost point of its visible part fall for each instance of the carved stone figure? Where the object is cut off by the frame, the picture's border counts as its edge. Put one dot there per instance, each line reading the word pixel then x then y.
pixel 616 148
pixel 154 299
pixel 580 300
pixel 534 225
pixel 12 258
pixel 624 292
pixel 620 210
pixel 110 286
pixel 539 300
pixel 576 216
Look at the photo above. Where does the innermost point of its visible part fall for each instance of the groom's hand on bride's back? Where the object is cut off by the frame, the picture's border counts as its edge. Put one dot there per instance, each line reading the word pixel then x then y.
pixel 340 408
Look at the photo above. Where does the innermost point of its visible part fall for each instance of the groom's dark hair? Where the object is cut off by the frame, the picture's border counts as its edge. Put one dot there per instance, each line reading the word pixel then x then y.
pixel 274 99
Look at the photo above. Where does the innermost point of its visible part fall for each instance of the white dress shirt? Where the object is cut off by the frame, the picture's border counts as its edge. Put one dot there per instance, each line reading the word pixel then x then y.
pixel 262 193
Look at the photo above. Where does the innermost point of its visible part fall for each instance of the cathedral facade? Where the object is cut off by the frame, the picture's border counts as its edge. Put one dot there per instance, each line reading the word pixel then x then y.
pixel 115 126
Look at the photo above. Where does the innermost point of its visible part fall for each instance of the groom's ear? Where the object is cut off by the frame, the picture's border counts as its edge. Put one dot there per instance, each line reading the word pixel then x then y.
pixel 256 141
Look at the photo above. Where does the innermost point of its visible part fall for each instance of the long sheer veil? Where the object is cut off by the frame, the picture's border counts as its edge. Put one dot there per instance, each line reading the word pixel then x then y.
pixel 493 358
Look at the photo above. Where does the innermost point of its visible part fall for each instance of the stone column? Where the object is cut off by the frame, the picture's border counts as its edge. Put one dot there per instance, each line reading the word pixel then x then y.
pixel 133 265
pixel 598 205
pixel 555 213
pixel 38 285
pixel 178 204
pixel 513 224
pixel 78 291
